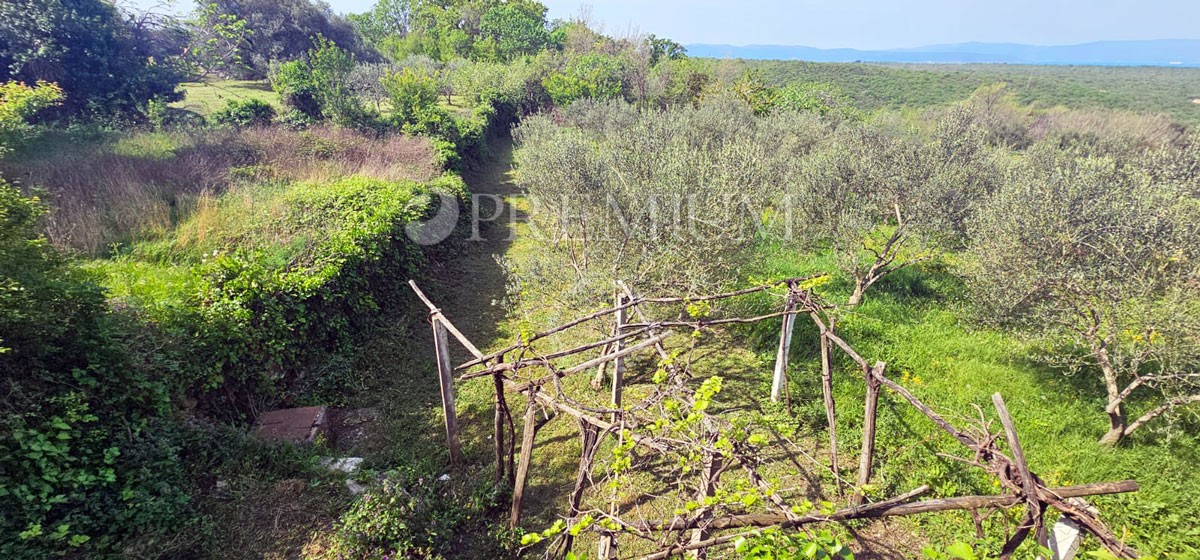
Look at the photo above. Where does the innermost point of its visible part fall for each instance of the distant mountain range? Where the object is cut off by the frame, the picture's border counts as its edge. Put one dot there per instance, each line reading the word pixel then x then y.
pixel 1166 52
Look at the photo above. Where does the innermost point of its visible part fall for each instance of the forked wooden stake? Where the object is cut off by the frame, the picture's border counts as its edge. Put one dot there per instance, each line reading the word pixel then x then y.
pixel 868 444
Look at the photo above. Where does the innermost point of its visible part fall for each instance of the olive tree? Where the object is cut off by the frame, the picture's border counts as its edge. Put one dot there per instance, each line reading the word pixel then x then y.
pixel 668 200
pixel 1102 261
pixel 882 203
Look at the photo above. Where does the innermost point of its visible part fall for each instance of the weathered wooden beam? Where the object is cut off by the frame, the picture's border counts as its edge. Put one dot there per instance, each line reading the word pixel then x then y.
pixel 1036 508
pixel 830 406
pixel 530 428
pixel 631 303
pixel 618 380
pixel 501 404
pixel 702 545
pixel 867 457
pixel 888 508
pixel 522 387
pixel 708 487
pixel 784 349
pixel 500 367
pixel 446 381
pixel 434 311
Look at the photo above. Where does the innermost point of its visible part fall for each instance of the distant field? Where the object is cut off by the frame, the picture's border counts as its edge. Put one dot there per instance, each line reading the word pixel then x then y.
pixel 207 97
pixel 894 86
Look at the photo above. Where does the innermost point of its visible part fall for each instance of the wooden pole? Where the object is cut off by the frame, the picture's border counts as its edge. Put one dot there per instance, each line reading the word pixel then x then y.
pixel 830 410
pixel 1036 508
pixel 589 436
pixel 446 379
pixel 501 403
pixel 785 345
pixel 868 444
pixel 708 487
pixel 530 430
pixel 618 382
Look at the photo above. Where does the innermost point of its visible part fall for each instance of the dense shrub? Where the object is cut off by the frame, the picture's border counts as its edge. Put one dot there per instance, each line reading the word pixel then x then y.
pixel 419 518
pixel 590 76
pixel 249 112
pixel 80 418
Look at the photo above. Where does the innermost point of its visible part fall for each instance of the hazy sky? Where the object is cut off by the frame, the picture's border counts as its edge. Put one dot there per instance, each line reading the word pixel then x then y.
pixel 873 24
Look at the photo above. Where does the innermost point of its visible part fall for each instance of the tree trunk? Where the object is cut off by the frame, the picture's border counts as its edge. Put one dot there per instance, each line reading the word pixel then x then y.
pixel 1116 417
pixel 856 298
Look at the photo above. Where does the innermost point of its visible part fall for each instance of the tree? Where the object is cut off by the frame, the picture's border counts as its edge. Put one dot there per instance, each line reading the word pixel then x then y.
pixel 88 49
pixel 881 203
pixel 1103 262
pixel 515 28
pixel 662 49
pixel 218 43
pixel 282 30
pixel 824 99
pixel 18 103
pixel 387 18
pixel 592 76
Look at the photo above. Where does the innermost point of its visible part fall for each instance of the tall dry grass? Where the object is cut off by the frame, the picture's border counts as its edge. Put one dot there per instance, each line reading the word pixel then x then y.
pixel 143 185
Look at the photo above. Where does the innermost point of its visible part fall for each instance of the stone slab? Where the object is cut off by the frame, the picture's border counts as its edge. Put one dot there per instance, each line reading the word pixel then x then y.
pixel 294 425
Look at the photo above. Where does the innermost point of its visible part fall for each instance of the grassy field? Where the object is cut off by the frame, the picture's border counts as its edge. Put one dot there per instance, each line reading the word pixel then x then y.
pixel 886 86
pixel 204 98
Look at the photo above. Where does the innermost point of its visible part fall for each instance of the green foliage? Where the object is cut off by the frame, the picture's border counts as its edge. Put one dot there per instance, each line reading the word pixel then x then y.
pixel 1102 260
pixel 513 29
pixel 19 102
pixel 294 82
pixel 78 432
pixel 413 93
pixel 218 43
pixel 752 89
pixel 824 99
pixel 415 517
pixel 321 87
pixel 249 112
pixel 252 35
pixel 777 545
pixel 590 76
pixel 89 49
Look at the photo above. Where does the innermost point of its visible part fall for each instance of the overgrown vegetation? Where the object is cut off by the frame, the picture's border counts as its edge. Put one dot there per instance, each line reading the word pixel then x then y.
pixel 171 267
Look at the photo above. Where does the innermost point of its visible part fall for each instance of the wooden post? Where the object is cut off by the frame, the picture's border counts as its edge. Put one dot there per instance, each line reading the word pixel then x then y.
pixel 589 436
pixel 618 384
pixel 785 346
pixel 1036 508
pixel 868 444
pixel 498 424
pixel 446 379
pixel 708 486
pixel 830 410
pixel 530 430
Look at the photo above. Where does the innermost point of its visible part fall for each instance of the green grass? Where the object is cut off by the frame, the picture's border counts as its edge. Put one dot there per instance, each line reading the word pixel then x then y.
pixel 204 98
pixel 918 324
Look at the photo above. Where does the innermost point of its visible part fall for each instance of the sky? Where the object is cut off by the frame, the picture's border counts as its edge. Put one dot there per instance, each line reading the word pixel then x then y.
pixel 881 24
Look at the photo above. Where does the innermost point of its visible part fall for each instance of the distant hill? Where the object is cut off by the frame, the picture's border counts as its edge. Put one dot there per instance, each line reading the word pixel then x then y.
pixel 1166 52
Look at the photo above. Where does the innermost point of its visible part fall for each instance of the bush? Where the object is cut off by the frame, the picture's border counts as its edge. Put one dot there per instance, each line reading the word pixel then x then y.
pixel 19 102
pixel 594 76
pixel 244 113
pixel 420 518
pixel 79 424
pixel 294 82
